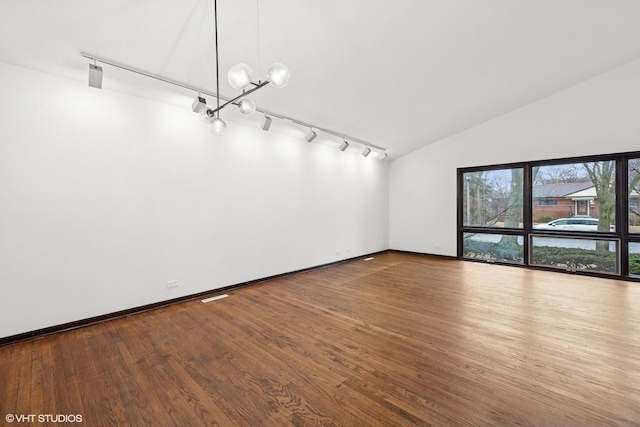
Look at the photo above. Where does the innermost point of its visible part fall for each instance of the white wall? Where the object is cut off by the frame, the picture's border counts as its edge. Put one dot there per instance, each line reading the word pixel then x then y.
pixel 104 197
pixel 599 116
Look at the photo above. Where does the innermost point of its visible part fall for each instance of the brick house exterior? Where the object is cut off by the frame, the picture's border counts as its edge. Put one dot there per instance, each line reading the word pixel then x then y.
pixel 564 200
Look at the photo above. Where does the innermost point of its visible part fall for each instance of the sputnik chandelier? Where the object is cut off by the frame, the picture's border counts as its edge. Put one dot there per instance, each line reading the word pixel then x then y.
pixel 240 77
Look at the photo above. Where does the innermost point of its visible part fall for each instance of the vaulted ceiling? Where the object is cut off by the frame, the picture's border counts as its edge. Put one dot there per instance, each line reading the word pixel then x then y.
pixel 400 75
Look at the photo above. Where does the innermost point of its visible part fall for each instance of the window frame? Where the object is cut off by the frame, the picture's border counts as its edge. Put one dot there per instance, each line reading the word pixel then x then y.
pixel 621 227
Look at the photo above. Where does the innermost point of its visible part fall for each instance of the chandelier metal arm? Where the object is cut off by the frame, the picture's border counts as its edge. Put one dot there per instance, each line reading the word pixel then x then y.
pixel 242 95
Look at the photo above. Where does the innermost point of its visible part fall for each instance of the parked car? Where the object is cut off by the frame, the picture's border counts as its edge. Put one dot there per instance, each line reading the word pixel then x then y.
pixel 570 224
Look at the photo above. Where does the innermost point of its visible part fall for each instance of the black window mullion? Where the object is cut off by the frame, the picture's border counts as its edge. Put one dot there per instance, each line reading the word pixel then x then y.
pixel 460 216
pixel 622 212
pixel 527 210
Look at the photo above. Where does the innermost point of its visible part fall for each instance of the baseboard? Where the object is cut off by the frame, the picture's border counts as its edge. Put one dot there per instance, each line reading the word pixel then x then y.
pixel 39 333
pixel 423 254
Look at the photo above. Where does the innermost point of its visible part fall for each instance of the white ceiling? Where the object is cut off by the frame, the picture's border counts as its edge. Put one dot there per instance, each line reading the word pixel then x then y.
pixel 400 75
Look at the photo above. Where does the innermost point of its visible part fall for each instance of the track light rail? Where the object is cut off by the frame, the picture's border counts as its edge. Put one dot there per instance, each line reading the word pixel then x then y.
pixel 229 100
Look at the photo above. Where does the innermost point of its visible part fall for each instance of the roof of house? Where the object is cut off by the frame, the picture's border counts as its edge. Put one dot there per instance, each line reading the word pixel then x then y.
pixel 559 189
pixel 587 193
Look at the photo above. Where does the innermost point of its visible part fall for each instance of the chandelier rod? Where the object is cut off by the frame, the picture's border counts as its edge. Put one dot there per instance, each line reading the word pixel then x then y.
pixel 215 14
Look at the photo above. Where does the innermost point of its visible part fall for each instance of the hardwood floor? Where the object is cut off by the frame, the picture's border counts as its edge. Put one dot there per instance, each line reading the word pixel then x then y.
pixel 396 341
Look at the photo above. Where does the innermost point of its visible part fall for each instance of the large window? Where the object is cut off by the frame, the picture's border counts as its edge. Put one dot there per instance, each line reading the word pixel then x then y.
pixel 493 198
pixel 573 254
pixel 583 193
pixel 570 215
pixel 494 247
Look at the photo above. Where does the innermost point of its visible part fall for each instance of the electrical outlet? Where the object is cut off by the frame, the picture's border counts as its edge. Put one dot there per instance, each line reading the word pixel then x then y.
pixel 172 284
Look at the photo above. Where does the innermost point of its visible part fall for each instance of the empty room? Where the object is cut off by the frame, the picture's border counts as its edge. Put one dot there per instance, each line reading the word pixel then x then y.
pixel 300 213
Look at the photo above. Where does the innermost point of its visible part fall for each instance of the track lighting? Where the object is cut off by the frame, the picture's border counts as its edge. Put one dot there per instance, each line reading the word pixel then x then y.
pixel 209 114
pixel 311 135
pixel 266 123
pixel 198 104
pixel 95 76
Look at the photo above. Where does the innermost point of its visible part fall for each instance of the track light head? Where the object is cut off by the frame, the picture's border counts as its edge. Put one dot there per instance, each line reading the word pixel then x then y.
pixel 344 145
pixel 366 151
pixel 95 76
pixel 199 104
pixel 266 123
pixel 311 135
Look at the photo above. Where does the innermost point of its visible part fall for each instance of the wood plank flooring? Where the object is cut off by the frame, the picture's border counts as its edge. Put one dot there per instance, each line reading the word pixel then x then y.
pixel 400 340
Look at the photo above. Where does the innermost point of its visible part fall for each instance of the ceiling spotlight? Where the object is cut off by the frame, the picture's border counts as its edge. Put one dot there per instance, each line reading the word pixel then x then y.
pixel 266 123
pixel 95 76
pixel 366 151
pixel 383 155
pixel 344 145
pixel 198 104
pixel 218 126
pixel 311 135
